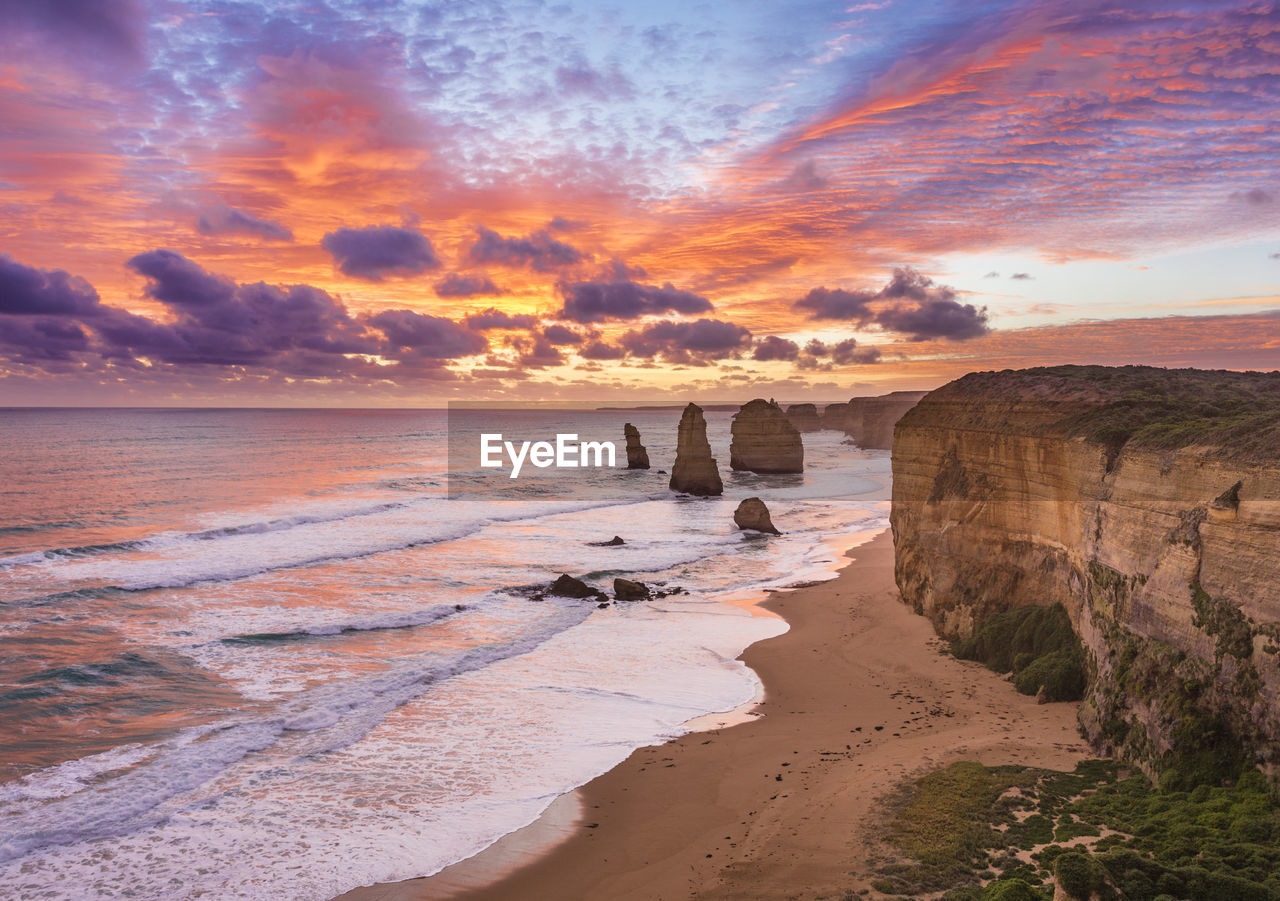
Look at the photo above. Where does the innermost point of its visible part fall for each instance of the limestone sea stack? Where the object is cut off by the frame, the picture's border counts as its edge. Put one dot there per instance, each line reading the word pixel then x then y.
pixel 695 470
pixel 637 456
pixel 753 515
pixel 764 440
pixel 870 421
pixel 804 417
pixel 834 417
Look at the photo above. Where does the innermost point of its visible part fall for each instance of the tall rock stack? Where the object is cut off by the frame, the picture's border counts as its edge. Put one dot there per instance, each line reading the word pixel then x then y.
pixel 695 470
pixel 764 440
pixel 804 417
pixel 637 456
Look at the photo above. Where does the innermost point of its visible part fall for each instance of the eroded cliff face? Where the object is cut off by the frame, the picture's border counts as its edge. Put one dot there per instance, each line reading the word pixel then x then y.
pixel 1167 559
pixel 870 421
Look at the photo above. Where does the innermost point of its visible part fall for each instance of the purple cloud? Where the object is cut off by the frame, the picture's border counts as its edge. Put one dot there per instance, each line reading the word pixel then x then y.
pixel 55 321
pixel 456 284
pixel 559 334
pixel 601 350
pixel 492 318
pixel 910 303
pixel 774 348
pixel 380 250
pixel 539 250
pixel 26 290
pixel 600 301
pixel 228 220
pixel 704 339
pixel 416 335
pixel 81 28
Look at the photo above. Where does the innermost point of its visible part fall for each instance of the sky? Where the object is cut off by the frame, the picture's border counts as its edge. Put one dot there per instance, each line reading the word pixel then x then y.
pixel 387 203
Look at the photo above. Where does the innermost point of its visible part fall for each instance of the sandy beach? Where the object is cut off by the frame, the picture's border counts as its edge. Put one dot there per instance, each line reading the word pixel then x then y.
pixel 858 697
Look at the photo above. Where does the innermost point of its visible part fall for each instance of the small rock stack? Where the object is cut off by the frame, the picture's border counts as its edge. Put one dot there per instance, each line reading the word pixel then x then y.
pixel 637 456
pixel 752 514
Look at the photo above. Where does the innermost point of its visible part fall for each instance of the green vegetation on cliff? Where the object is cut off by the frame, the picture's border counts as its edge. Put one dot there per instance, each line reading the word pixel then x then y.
pixel 1162 409
pixel 1036 644
pixel 983 833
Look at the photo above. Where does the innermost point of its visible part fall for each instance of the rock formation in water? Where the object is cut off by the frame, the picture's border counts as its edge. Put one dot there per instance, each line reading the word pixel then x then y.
pixel 566 586
pixel 627 590
pixel 752 514
pixel 834 417
pixel 764 440
pixel 615 541
pixel 870 421
pixel 1147 503
pixel 804 417
pixel 637 456
pixel 695 470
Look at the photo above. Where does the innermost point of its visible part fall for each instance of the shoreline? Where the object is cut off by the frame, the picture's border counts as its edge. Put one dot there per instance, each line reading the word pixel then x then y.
pixel 857 698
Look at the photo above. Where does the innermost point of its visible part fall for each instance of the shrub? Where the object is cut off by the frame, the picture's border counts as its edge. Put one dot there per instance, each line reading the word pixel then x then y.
pixel 1060 673
pixel 1012 890
pixel 1037 644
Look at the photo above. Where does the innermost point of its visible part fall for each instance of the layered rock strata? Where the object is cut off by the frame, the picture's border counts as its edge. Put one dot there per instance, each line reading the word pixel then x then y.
pixel 1147 503
pixel 695 470
pixel 764 440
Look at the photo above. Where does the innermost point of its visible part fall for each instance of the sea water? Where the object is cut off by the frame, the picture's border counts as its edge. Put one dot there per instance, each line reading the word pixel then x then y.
pixel 264 654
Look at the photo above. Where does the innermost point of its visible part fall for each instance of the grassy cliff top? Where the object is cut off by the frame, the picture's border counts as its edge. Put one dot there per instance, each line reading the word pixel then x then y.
pixel 1235 414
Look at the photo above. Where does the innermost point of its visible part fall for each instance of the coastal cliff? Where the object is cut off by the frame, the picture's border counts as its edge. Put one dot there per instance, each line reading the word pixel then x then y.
pixel 1147 503
pixel 870 421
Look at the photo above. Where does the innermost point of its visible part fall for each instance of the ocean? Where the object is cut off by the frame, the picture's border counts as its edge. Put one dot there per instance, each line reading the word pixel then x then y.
pixel 265 654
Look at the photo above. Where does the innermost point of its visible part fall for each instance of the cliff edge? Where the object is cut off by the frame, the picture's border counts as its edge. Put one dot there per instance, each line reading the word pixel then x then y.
pixel 1147 503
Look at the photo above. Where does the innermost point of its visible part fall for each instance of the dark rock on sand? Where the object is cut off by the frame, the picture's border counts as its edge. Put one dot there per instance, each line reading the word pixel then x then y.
pixel 695 470
pixel 764 440
pixel 752 514
pixel 637 456
pixel 626 590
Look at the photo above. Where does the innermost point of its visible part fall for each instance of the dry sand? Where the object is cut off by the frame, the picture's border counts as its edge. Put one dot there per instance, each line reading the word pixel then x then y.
pixel 858 697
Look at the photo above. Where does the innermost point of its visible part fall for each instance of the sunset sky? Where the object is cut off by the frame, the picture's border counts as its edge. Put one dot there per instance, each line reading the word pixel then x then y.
pixel 401 203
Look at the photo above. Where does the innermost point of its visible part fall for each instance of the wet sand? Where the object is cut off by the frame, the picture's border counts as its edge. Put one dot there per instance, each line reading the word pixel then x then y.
pixel 858 697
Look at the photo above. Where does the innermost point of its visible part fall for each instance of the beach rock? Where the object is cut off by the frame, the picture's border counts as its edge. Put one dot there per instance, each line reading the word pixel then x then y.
pixel 567 586
pixel 626 590
pixel 612 542
pixel 637 456
pixel 754 515
pixel 695 470
pixel 804 417
pixel 764 440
